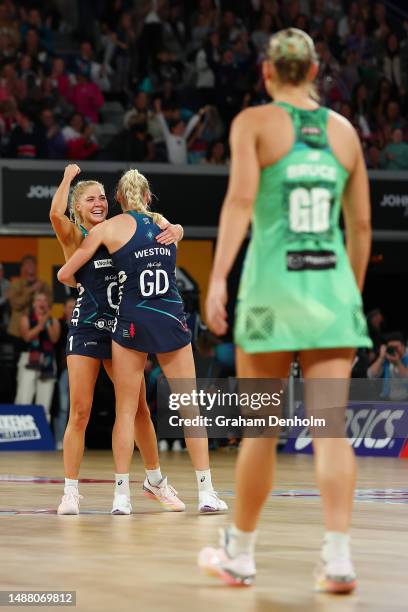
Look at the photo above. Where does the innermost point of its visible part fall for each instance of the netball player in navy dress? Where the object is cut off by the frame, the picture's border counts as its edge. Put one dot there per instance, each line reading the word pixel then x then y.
pixel 90 335
pixel 150 320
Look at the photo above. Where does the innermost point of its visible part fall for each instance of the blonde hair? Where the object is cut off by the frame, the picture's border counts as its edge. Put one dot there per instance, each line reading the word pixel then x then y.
pixel 292 52
pixel 76 194
pixel 133 193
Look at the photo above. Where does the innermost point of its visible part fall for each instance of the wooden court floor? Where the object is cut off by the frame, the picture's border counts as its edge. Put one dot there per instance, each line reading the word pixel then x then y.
pixel 147 561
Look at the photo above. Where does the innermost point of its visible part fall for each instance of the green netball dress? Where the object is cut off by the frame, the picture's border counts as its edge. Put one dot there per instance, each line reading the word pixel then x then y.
pixel 297 288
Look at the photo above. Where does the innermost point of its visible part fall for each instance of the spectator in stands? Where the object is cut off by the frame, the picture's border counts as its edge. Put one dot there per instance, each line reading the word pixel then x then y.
pixel 79 138
pixel 60 77
pixel 176 135
pixel 85 63
pixel 86 97
pixel 348 22
pixel 376 327
pixel 56 146
pixel 11 86
pixel 26 139
pixel 21 293
pixel 137 114
pixel 261 36
pixel 33 47
pixel 392 366
pixel 61 419
pixel 216 154
pixel 4 303
pixel 123 41
pixel 133 144
pixel 395 154
pixel 174 32
pixel 33 21
pixel 36 373
pixel 392 61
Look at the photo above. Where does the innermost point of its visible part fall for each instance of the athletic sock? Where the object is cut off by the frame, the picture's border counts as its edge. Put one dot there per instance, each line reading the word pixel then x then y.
pixel 204 480
pixel 154 476
pixel 336 545
pixel 122 484
pixel 71 486
pixel 240 542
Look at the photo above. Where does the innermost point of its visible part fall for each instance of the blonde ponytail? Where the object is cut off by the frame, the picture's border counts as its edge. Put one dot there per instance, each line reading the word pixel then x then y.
pixel 133 193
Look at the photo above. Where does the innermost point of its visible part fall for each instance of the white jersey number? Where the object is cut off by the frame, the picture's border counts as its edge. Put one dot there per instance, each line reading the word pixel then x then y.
pixel 109 295
pixel 154 282
pixel 309 210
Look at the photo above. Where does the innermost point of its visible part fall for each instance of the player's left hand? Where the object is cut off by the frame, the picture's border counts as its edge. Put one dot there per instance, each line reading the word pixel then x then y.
pixel 170 234
pixel 215 307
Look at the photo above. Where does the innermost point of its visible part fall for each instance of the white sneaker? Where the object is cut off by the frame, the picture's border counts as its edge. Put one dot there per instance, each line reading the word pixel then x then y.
pixel 165 494
pixel 240 571
pixel 177 446
pixel 70 503
pixel 208 501
pixel 121 504
pixel 336 576
pixel 163 446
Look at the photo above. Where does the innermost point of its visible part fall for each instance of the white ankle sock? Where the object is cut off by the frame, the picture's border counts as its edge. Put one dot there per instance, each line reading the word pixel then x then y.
pixel 336 545
pixel 240 542
pixel 204 480
pixel 122 484
pixel 70 485
pixel 154 476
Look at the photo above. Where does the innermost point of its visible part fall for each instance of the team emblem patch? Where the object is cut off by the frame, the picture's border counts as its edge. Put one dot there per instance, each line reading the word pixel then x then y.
pixel 260 323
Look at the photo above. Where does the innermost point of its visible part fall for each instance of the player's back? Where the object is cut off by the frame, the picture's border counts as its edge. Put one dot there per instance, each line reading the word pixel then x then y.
pixel 150 317
pixel 296 267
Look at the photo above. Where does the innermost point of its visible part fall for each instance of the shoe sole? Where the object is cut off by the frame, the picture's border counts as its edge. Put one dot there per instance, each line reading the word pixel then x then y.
pixel 119 512
pixel 211 510
pixel 228 578
pixel 167 507
pixel 334 587
pixel 67 513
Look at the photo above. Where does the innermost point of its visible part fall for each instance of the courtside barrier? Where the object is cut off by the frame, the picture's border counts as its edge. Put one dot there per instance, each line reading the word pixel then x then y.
pixel 24 428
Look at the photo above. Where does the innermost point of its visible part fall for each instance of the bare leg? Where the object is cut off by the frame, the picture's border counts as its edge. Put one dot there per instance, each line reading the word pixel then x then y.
pixel 145 436
pixel 82 373
pixel 256 459
pixel 334 457
pixel 180 365
pixel 128 367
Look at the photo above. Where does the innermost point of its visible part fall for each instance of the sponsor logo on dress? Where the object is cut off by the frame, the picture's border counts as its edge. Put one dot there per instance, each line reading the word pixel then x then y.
pixel 132 330
pixel 100 323
pixel 310 260
pixel 103 263
pixel 154 264
pixel 90 344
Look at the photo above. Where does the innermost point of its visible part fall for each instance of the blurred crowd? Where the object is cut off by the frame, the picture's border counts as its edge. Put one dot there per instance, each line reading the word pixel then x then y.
pixel 33 367
pixel 161 80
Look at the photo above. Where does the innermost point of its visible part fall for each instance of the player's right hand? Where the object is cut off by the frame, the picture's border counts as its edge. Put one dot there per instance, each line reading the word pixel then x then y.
pixel 215 306
pixel 71 171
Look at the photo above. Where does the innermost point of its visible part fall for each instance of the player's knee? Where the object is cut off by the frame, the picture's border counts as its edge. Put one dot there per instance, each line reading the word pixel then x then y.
pixel 80 411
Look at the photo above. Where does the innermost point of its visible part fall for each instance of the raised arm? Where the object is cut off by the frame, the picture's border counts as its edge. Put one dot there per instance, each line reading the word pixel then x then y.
pixel 235 216
pixel 357 217
pixel 62 226
pixel 84 252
